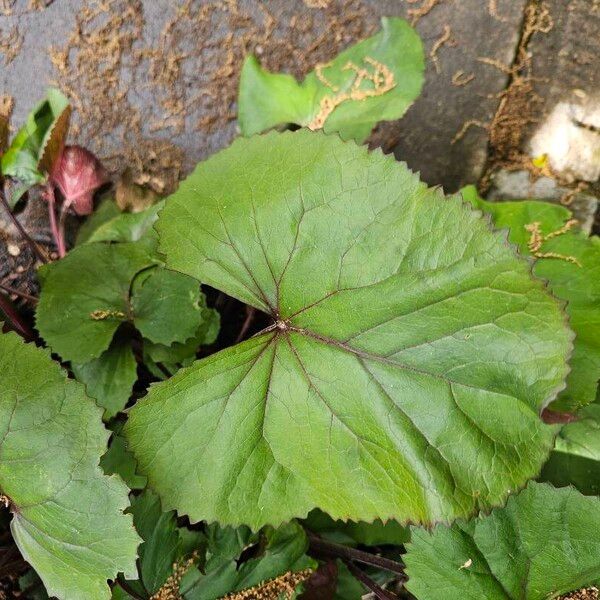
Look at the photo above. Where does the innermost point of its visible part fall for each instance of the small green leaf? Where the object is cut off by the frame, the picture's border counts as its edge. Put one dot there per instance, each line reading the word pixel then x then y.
pixel 576 456
pixel 22 159
pixel 284 550
pixel 163 544
pixel 68 519
pixel 541 545
pixel 85 297
pixel 178 353
pixel 118 459
pixel 105 212
pixel 393 58
pixel 409 356
pixel 582 436
pixel 348 587
pixel 351 533
pixel 126 227
pixel 32 587
pixel 166 307
pixel 575 282
pixel 109 378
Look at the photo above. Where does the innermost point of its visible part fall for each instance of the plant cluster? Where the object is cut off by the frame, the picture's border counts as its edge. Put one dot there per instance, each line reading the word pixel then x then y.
pixel 416 414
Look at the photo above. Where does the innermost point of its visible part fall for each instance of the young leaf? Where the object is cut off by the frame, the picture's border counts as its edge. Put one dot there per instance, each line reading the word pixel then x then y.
pixel 105 212
pixel 348 587
pixel 85 298
pixel 38 141
pixel 351 534
pixel 178 353
pixel 541 545
pixel 374 80
pixel 164 543
pixel 582 436
pixel 569 261
pixel 118 459
pixel 126 227
pixel 166 306
pixel 285 550
pixel 576 456
pixel 109 378
pixel 409 357
pixel 68 517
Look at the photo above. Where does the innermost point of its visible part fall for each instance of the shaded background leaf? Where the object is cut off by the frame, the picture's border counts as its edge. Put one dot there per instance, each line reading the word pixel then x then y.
pixel 539 546
pixel 109 378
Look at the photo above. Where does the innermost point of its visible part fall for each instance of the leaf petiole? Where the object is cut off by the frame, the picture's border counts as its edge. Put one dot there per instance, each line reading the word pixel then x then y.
pixel 320 546
pixel 36 249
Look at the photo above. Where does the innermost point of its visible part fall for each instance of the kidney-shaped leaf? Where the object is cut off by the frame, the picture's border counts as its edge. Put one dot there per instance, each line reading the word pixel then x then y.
pixel 374 80
pixel 68 517
pixel 541 545
pixel 409 356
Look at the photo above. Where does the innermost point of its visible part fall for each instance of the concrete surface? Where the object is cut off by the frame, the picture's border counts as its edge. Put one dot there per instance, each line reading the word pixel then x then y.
pixel 423 138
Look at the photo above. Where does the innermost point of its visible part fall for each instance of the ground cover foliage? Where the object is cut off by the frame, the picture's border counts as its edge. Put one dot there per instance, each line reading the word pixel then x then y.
pixel 409 407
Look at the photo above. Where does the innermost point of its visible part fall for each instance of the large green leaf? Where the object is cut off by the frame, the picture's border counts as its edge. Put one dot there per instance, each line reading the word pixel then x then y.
pixel 86 297
pixel 36 145
pixel 109 378
pixel 68 517
pixel 270 99
pixel 409 357
pixel 541 545
pixel 577 283
pixel 284 550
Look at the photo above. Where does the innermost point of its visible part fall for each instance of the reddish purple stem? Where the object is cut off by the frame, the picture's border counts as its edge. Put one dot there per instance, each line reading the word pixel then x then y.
pixel 56 234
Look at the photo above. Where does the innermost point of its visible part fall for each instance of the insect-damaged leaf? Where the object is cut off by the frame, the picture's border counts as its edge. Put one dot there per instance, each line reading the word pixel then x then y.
pixel 541 545
pixel 68 517
pixel 374 80
pixel 410 354
pixel 569 261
